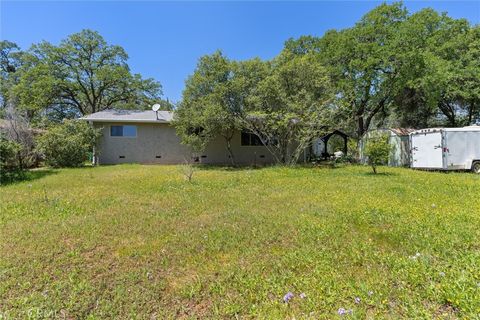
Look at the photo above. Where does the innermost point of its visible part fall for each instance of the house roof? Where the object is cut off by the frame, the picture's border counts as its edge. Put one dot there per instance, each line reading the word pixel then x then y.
pixel 139 116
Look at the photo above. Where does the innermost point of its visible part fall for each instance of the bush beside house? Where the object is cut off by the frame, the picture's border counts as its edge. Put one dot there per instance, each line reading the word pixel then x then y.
pixel 68 144
pixel 10 168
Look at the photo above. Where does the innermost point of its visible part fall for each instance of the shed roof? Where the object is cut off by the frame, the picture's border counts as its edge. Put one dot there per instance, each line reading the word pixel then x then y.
pixel 402 131
pixel 395 131
pixel 140 116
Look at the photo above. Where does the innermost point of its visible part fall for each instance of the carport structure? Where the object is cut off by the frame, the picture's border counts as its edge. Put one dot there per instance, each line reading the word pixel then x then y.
pixel 320 145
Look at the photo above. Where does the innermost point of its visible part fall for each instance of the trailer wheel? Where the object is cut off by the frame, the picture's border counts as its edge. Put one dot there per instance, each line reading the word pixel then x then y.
pixel 476 167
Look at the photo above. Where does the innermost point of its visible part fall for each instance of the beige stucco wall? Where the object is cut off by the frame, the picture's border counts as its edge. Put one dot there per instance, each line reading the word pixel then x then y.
pixel 216 152
pixel 160 139
pixel 152 140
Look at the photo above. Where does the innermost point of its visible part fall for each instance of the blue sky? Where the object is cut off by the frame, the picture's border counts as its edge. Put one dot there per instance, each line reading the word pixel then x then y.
pixel 165 39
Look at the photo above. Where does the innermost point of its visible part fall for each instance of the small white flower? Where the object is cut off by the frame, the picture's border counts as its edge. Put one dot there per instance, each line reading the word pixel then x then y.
pixel 416 256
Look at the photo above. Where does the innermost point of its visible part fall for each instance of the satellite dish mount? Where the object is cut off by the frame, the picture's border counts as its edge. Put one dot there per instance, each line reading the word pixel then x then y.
pixel 155 108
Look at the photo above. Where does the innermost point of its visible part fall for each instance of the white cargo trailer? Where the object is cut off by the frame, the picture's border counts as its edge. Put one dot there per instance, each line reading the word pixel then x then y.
pixel 446 149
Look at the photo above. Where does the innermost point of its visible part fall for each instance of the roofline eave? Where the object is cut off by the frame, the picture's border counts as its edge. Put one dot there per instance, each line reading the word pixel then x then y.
pixel 125 120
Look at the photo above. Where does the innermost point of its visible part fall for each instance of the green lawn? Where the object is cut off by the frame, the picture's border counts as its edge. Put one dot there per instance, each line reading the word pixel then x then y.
pixel 135 241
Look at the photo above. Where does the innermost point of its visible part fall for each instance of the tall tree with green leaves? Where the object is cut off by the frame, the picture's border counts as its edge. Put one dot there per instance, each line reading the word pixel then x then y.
pixel 211 103
pixel 439 71
pixel 291 106
pixel 10 61
pixel 363 65
pixel 468 85
pixel 82 75
pixel 414 99
pixel 455 61
pixel 393 68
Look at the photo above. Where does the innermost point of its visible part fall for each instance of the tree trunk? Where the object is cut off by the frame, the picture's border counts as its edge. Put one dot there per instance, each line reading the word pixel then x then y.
pixel 360 128
pixel 229 150
pixel 374 169
pixel 471 112
pixel 449 111
pixel 284 151
pixel 228 141
pixel 20 159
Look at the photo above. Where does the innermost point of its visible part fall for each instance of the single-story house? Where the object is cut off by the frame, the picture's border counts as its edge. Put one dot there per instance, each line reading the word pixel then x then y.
pixel 399 141
pixel 131 136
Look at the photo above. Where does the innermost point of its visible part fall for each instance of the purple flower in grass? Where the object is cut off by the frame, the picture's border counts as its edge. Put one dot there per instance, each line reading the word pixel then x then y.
pixel 287 297
pixel 357 300
pixel 343 311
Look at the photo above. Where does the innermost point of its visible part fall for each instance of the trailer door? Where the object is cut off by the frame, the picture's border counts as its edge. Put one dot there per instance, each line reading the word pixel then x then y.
pixel 427 150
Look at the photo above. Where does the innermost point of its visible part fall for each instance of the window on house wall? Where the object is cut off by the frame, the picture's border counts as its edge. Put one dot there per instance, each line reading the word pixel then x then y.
pixel 250 139
pixel 123 131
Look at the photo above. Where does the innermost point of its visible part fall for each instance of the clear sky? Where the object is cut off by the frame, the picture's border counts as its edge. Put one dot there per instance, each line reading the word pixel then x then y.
pixel 165 39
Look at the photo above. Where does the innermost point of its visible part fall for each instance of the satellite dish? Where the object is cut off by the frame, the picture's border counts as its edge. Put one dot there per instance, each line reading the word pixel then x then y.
pixel 156 107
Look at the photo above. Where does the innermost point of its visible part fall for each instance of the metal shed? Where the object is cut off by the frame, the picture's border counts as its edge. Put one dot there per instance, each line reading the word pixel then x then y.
pixel 398 139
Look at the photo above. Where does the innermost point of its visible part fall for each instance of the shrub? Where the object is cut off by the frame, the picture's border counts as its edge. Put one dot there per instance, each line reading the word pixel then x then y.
pixel 377 150
pixel 17 128
pixel 10 168
pixel 352 150
pixel 188 170
pixel 68 144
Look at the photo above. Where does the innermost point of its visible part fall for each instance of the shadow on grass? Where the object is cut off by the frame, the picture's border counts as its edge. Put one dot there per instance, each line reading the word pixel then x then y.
pixel 324 165
pixel 380 174
pixel 212 167
pixel 328 165
pixel 28 175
